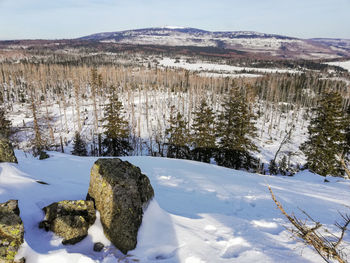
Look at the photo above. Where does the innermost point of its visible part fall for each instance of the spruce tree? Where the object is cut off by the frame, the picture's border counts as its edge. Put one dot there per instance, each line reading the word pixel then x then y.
pixel 273 169
pixel 79 147
pixel 283 166
pixel 203 137
pixel 236 129
pixel 346 149
pixel 116 141
pixel 326 141
pixel 178 137
pixel 347 132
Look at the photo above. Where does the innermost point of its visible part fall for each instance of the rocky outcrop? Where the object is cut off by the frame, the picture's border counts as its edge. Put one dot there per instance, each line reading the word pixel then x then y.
pixel 69 219
pixel 6 151
pixel 11 231
pixel 120 191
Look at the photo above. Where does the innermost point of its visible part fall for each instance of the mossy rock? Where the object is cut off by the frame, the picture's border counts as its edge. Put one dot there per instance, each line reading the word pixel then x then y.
pixel 69 219
pixel 6 151
pixel 11 231
pixel 120 192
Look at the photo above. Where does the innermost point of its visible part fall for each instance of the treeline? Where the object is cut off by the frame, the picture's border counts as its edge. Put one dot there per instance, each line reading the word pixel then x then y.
pixel 319 65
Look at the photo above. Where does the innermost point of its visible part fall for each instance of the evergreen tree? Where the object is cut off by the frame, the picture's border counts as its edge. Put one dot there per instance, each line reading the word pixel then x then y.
pixel 39 144
pixel 283 166
pixel 326 141
pixel 79 147
pixel 236 130
pixel 203 137
pixel 273 169
pixel 346 150
pixel 116 133
pixel 5 125
pixel 178 137
pixel 347 132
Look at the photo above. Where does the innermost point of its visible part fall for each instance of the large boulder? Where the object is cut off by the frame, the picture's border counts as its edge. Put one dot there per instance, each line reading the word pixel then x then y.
pixel 11 231
pixel 120 192
pixel 69 219
pixel 6 151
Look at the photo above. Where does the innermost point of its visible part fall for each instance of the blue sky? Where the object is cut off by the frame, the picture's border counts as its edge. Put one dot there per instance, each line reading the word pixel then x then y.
pixel 52 19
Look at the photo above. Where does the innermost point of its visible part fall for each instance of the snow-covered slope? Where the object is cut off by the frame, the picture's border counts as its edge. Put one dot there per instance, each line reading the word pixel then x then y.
pixel 200 213
pixel 335 43
pixel 275 45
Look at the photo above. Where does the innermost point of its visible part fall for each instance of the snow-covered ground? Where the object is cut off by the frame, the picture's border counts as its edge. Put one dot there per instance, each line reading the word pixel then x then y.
pixel 202 66
pixel 200 213
pixel 343 64
pixel 232 75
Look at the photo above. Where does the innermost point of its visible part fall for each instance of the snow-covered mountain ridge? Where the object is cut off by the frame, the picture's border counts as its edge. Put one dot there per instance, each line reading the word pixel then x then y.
pixel 272 44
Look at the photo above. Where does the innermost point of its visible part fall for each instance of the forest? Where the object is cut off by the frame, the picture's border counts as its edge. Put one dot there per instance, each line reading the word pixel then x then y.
pixel 265 124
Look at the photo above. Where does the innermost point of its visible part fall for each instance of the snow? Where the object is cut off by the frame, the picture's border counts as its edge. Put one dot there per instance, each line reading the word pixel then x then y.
pixel 202 66
pixel 343 64
pixel 200 212
pixel 223 75
pixel 174 27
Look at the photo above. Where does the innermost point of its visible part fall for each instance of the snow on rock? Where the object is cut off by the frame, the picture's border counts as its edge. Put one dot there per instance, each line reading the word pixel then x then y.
pixel 200 212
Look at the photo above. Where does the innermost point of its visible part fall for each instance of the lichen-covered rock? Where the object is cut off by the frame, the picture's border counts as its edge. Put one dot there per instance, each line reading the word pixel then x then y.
pixel 69 219
pixel 11 231
pixel 6 151
pixel 120 191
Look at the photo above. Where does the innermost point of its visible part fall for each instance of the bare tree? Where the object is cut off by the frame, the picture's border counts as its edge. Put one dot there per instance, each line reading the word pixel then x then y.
pixel 328 247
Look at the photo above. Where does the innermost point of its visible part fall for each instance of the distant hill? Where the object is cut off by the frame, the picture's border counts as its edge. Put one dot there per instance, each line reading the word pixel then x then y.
pixel 248 41
pixel 192 41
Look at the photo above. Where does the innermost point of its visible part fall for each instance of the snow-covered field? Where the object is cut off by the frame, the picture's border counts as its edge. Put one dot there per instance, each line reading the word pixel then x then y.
pixel 200 213
pixel 202 66
pixel 343 64
pixel 232 75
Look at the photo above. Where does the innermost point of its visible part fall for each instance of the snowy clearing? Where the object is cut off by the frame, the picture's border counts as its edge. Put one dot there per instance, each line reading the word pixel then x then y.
pixel 342 64
pixel 169 62
pixel 223 75
pixel 200 213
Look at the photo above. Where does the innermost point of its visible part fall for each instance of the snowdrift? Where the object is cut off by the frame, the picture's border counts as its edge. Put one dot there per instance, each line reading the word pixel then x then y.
pixel 200 213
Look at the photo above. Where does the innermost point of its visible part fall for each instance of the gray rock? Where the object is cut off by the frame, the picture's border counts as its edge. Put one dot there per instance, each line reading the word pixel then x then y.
pixel 120 191
pixel 69 219
pixel 98 247
pixel 11 231
pixel 6 151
